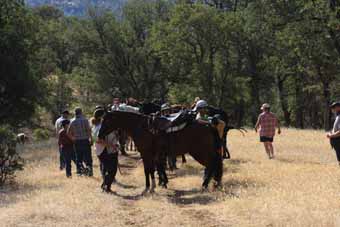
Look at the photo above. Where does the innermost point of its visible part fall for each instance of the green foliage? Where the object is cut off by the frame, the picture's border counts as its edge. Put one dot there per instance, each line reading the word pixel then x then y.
pixel 235 54
pixel 20 86
pixel 41 134
pixel 10 161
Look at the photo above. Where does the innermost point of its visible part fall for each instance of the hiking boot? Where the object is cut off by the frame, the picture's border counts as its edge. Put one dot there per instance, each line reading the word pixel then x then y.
pixel 90 173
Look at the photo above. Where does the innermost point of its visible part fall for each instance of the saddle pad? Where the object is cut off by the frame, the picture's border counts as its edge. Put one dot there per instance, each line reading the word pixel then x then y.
pixel 176 128
pixel 174 117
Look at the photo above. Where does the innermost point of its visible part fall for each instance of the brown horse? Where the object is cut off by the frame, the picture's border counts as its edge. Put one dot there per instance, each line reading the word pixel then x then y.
pixel 196 139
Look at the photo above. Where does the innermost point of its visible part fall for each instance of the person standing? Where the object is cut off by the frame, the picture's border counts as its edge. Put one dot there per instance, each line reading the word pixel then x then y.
pixel 116 104
pixel 266 124
pixel 202 117
pixel 66 145
pixel 334 136
pixel 202 112
pixel 58 126
pixel 107 152
pixel 81 132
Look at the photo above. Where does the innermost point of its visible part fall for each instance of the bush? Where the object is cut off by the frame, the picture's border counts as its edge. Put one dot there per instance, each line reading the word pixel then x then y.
pixel 10 161
pixel 41 134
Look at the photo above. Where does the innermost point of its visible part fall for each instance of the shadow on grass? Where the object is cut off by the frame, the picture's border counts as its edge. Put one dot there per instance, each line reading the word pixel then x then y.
pixel 14 192
pixel 189 197
pixel 229 166
pixel 127 166
pixel 233 187
pixel 235 161
pixel 186 171
pixel 129 197
pixel 296 161
pixel 125 186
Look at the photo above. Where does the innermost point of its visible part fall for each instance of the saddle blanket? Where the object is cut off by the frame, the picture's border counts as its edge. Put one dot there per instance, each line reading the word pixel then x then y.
pixel 176 128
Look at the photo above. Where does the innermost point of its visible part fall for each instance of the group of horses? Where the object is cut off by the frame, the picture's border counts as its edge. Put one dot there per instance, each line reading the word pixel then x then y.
pixel 155 145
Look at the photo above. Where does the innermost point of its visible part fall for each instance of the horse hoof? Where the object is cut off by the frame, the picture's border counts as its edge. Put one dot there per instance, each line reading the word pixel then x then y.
pixel 218 186
pixel 146 190
pixel 204 189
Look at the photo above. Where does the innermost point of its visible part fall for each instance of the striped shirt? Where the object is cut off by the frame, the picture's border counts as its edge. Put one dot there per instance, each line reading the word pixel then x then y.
pixel 80 128
pixel 268 122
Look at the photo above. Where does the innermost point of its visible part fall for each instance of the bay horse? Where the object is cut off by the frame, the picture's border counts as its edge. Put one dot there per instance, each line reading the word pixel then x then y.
pixel 196 139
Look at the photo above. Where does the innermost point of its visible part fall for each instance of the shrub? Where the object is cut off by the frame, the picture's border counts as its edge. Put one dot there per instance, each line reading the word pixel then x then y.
pixel 41 134
pixel 10 161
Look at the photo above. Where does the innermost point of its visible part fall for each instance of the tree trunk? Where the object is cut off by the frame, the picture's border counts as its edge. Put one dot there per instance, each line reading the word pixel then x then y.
pixel 299 115
pixel 327 113
pixel 255 100
pixel 283 101
pixel 240 113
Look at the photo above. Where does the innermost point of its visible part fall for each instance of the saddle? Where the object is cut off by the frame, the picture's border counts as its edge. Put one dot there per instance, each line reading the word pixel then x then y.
pixel 173 122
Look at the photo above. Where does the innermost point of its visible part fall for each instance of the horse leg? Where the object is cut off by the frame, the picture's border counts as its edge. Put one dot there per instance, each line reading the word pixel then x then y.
pixel 226 154
pixel 147 179
pixel 209 171
pixel 163 178
pixel 218 171
pixel 153 181
pixel 184 160
pixel 160 175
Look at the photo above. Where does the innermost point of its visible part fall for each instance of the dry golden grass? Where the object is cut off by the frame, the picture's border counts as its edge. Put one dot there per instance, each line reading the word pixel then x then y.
pixel 300 188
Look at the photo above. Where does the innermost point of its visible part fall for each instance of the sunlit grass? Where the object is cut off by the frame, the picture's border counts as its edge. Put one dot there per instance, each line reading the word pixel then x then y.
pixel 300 188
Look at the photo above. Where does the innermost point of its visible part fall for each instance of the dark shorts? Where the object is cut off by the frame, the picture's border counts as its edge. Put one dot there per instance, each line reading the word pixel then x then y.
pixel 264 139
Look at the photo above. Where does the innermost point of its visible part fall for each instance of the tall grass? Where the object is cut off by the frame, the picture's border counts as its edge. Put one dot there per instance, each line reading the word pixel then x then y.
pixel 301 187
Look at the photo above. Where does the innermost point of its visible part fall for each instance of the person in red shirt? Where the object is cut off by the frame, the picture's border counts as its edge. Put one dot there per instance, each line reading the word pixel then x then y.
pixel 67 146
pixel 267 123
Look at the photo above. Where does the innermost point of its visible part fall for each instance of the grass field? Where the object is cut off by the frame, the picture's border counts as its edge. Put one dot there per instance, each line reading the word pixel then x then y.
pixel 301 187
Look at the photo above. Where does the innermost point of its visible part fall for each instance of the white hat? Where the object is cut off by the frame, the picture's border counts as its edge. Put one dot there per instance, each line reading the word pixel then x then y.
pixel 200 104
pixel 265 106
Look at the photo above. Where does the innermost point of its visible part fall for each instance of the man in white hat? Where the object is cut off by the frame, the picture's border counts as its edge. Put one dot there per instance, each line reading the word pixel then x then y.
pixel 201 109
pixel 267 123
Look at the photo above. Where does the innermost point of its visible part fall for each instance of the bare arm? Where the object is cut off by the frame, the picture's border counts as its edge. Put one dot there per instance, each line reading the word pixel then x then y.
pixel 89 132
pixel 106 144
pixel 203 121
pixel 59 140
pixel 70 132
pixel 334 135
pixel 56 127
pixel 257 124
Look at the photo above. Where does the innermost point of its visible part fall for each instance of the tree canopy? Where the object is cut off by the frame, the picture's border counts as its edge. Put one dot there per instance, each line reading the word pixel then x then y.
pixel 236 54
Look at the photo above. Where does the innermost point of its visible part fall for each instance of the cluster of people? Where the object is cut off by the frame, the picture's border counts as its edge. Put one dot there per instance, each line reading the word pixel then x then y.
pixel 75 141
pixel 76 136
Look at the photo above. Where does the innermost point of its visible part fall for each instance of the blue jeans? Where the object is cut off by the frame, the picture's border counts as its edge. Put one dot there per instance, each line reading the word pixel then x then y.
pixel 108 167
pixel 83 155
pixel 69 155
pixel 61 159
